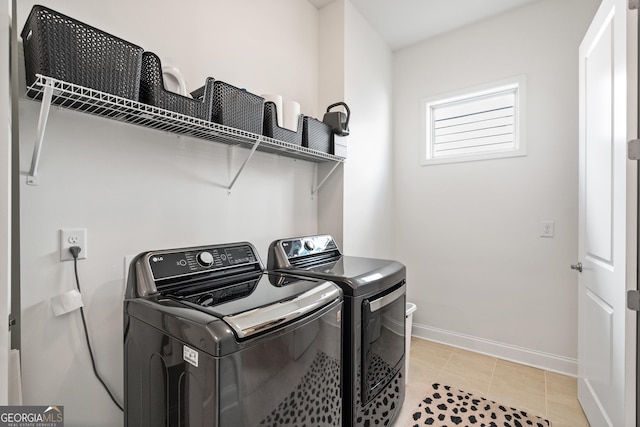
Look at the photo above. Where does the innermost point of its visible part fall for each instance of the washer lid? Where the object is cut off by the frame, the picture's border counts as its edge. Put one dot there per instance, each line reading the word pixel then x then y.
pixel 265 318
pixel 257 304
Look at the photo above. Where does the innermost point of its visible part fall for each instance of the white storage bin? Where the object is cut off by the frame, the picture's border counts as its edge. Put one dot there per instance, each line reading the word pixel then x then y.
pixel 411 307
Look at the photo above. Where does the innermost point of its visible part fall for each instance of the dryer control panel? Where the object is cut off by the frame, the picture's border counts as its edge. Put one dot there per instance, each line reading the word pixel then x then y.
pixel 303 246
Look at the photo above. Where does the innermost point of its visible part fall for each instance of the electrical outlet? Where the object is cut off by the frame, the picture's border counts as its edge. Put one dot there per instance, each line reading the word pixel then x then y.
pixel 547 228
pixel 73 237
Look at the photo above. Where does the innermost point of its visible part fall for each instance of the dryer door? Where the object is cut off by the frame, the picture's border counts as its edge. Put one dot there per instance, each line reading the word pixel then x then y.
pixel 383 341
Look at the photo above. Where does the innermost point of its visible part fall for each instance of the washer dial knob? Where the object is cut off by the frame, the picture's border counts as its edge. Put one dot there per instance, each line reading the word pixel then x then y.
pixel 309 245
pixel 205 259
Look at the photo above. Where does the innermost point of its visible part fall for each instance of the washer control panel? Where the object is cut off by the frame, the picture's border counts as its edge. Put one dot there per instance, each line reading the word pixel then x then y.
pixel 205 259
pixel 165 265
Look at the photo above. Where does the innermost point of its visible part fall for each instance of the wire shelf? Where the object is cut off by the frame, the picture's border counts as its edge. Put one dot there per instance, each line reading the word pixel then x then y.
pixel 79 98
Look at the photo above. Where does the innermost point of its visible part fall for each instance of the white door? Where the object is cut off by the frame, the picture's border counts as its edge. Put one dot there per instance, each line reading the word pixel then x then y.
pixel 606 345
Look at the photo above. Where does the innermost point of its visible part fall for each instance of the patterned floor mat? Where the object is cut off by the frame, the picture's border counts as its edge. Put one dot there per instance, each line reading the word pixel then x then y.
pixel 446 407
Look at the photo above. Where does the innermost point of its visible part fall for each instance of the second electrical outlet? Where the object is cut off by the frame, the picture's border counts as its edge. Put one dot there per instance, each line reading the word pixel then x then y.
pixel 73 237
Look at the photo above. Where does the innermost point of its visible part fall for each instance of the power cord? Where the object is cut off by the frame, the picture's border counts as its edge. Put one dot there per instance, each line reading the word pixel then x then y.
pixel 75 251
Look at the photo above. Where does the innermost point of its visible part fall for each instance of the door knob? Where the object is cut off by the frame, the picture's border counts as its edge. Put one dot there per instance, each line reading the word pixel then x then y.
pixel 577 266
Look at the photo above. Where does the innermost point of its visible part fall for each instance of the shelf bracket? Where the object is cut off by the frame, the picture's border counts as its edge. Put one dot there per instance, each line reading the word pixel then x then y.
pixel 253 150
pixel 32 178
pixel 315 190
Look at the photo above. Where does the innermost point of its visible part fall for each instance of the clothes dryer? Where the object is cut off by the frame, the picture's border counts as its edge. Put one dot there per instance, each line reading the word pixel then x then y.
pixel 373 320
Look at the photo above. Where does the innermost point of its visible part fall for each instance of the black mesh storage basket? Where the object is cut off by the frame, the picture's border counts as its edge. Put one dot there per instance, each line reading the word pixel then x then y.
pixel 317 135
pixel 152 91
pixel 272 130
pixel 61 47
pixel 237 108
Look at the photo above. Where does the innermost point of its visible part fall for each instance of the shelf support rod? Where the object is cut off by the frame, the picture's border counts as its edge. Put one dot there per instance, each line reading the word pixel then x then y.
pixel 32 178
pixel 253 150
pixel 315 190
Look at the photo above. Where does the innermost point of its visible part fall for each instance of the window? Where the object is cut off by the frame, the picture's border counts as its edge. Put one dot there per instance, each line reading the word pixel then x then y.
pixel 481 123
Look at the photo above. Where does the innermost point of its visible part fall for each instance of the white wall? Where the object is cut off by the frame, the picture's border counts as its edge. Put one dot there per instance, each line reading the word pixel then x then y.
pixel 136 189
pixel 479 273
pixel 356 67
pixel 478 270
pixel 331 82
pixel 368 173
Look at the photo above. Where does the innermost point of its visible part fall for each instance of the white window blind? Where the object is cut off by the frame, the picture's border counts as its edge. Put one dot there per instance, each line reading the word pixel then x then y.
pixel 474 125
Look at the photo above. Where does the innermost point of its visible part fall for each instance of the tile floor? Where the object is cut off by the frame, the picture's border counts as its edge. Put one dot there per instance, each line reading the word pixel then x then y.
pixel 538 392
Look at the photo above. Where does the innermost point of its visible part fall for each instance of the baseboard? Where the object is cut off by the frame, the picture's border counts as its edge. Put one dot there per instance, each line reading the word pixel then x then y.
pixel 525 356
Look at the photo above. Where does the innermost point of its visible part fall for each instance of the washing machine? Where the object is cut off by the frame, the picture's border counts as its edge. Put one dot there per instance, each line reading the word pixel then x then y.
pixel 373 319
pixel 211 339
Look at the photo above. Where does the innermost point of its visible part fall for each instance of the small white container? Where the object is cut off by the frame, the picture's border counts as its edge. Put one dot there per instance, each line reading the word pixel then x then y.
pixel 411 307
pixel 340 146
pixel 290 114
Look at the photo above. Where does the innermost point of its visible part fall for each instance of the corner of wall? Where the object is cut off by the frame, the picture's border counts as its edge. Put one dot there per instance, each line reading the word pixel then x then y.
pixel 331 82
